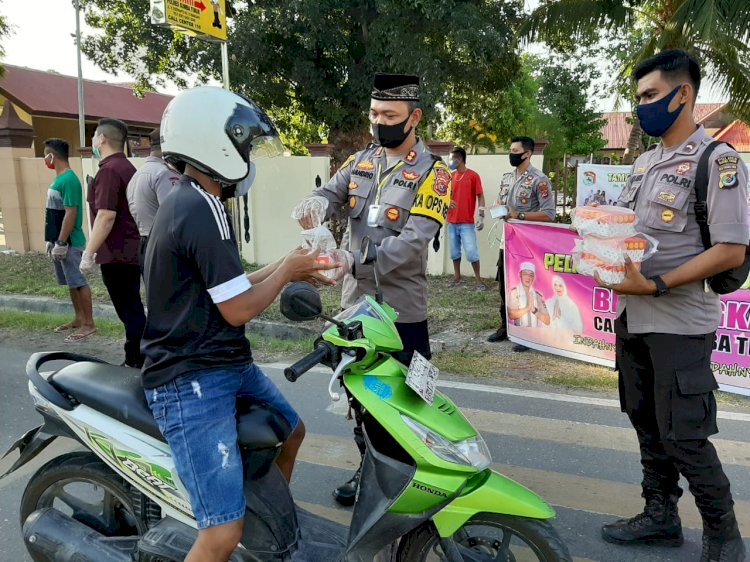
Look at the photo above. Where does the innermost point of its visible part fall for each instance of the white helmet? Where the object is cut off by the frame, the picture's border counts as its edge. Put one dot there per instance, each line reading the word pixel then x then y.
pixel 218 132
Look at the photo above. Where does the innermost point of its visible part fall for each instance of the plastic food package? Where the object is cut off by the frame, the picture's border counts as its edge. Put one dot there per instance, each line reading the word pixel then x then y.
pixel 608 238
pixel 604 221
pixel 319 238
pixel 326 258
pixel 614 250
pixel 589 264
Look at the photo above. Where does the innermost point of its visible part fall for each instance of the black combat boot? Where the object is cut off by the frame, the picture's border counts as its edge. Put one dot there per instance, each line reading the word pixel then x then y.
pixel 722 541
pixel 347 492
pixel 659 524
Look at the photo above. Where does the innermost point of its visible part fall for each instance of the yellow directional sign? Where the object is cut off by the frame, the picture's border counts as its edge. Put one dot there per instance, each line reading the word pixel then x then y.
pixel 204 18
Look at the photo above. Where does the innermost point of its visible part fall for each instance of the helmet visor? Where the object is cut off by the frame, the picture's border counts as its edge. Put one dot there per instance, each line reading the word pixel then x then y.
pixel 266 146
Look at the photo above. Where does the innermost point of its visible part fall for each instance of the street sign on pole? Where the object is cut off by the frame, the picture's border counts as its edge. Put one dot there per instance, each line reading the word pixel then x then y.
pixel 81 114
pixel 206 19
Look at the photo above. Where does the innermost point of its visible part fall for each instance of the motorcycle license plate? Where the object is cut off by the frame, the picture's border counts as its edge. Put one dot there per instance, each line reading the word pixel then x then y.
pixel 422 377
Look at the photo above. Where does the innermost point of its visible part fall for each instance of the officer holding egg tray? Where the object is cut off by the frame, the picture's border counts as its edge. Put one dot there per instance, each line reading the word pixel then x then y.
pixel 668 309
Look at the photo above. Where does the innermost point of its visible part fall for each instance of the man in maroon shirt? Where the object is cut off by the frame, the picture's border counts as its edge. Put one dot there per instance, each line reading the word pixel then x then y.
pixel 467 190
pixel 114 239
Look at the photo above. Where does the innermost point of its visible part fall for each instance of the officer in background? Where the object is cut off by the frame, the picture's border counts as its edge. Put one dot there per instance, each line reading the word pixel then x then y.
pixel 397 193
pixel 668 315
pixel 147 189
pixel 526 192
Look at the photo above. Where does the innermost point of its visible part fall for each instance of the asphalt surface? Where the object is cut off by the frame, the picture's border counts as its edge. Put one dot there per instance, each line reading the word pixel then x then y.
pixel 577 452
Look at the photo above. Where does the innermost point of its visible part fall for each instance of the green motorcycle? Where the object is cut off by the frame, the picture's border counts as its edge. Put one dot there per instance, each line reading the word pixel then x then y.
pixel 426 480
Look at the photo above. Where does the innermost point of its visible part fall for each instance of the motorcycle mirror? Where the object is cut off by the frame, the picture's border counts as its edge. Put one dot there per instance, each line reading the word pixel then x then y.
pixel 301 302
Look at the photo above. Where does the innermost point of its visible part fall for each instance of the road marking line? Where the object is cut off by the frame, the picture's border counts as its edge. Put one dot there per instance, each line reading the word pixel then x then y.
pixel 525 393
pixel 583 493
pixel 582 434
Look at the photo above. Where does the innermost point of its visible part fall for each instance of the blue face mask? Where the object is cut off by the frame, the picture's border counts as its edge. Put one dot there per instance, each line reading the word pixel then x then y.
pixel 453 165
pixel 655 117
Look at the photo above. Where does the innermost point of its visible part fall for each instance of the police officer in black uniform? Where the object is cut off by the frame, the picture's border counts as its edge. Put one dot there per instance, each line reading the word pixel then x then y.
pixel 668 314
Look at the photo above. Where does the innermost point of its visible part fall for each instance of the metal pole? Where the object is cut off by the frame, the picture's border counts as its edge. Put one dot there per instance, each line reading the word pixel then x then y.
pixel 225 64
pixel 81 114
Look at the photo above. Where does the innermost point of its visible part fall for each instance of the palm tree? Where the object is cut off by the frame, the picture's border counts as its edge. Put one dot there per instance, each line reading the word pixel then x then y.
pixel 717 31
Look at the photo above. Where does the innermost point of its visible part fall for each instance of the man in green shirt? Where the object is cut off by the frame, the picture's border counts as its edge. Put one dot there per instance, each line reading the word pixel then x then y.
pixel 65 239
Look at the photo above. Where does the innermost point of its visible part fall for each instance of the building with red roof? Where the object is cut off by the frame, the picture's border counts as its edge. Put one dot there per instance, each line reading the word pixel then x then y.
pixel 49 103
pixel 715 117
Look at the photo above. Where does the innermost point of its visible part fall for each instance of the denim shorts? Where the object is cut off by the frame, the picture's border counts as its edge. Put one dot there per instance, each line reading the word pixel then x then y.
pixel 463 234
pixel 67 271
pixel 196 414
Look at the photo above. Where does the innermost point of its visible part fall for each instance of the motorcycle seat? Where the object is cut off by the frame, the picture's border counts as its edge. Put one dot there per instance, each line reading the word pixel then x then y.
pixel 117 392
pixel 110 389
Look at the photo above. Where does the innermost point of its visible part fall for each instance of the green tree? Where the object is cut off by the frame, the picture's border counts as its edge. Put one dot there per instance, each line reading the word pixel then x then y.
pixel 488 121
pixel 569 122
pixel 718 31
pixel 318 56
pixel 5 31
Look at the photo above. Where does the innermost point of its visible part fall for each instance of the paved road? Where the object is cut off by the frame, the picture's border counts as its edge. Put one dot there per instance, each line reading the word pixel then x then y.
pixel 577 452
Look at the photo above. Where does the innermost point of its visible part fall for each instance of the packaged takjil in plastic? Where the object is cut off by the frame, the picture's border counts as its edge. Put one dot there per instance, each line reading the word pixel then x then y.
pixel 608 236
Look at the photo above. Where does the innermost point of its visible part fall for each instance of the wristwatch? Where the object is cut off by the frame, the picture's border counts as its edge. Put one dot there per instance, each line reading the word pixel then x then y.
pixel 61 243
pixel 661 286
pixel 522 216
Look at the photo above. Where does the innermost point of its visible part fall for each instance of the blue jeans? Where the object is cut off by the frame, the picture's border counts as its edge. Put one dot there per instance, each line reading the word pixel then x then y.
pixel 463 234
pixel 196 414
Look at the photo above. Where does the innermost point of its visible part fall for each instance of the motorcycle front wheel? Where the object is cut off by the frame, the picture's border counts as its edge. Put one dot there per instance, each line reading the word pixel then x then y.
pixel 487 537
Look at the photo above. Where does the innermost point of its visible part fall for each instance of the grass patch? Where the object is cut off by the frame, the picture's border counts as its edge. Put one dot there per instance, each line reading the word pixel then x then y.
pixel 21 321
pixel 591 382
pixel 278 346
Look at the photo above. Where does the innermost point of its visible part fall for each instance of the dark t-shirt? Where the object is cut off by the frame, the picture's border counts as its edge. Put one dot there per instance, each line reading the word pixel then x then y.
pixel 192 264
pixel 108 192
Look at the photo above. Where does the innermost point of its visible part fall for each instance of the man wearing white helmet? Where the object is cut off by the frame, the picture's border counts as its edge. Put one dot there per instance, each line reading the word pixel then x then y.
pixel 197 358
pixel 527 307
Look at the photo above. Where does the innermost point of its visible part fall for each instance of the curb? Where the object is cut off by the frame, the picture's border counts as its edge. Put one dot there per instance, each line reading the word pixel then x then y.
pixel 49 305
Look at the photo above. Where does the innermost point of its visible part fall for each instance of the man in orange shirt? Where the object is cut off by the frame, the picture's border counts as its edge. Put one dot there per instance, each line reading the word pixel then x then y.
pixel 462 226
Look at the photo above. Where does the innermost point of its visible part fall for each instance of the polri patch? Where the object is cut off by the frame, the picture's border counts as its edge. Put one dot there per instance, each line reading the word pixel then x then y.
pixel 666 197
pixel 683 168
pixel 411 156
pixel 366 165
pixel 728 180
pixel 352 202
pixel 442 181
pixel 393 213
pixel 667 215
pixel 410 176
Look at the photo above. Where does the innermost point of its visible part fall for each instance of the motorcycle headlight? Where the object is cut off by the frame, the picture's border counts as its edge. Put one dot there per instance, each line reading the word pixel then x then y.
pixel 469 452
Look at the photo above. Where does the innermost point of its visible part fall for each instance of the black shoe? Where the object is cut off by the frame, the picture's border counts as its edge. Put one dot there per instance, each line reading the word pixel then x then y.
pixel 500 334
pixel 347 493
pixel 518 348
pixel 659 524
pixel 719 549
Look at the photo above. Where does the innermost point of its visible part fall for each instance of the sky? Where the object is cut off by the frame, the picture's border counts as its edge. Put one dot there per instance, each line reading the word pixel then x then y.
pixel 47 43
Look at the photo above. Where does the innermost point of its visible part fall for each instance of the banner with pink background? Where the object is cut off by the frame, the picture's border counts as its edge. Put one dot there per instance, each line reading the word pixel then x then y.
pixel 552 308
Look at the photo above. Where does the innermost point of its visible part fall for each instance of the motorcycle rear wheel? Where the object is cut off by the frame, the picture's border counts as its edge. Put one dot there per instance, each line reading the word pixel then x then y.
pixel 493 537
pixel 84 488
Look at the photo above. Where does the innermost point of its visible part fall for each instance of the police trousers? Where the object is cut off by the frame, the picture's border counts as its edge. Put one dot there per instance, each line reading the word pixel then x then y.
pixel 666 389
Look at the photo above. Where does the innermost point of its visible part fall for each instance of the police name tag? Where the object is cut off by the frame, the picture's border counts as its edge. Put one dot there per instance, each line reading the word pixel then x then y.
pixel 422 377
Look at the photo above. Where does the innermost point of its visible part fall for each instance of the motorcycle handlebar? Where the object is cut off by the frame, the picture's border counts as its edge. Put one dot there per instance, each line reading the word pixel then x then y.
pixel 309 361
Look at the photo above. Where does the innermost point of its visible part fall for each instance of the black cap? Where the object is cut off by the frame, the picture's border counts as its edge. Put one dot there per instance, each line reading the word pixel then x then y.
pixel 395 87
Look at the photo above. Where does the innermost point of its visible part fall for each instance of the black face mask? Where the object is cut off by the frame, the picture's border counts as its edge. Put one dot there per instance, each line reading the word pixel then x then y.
pixel 391 136
pixel 516 159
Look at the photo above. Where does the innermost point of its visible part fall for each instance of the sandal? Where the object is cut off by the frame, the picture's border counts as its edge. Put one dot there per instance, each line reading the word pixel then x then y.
pixel 65 328
pixel 78 337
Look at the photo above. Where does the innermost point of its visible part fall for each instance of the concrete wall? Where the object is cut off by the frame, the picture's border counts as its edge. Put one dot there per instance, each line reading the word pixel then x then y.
pixel 280 184
pixel 490 168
